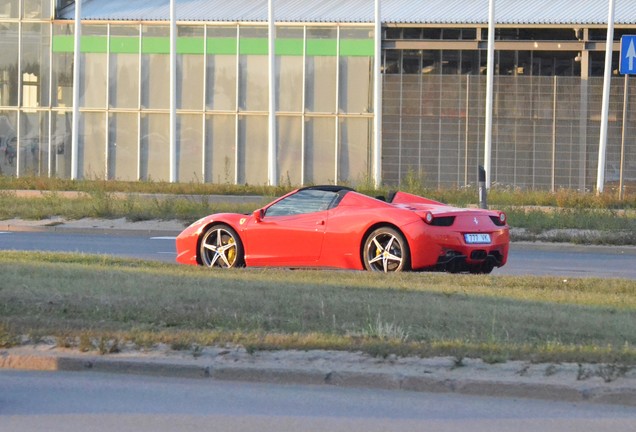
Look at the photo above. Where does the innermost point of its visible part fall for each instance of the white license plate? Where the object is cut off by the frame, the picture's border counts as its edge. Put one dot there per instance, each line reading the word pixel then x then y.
pixel 477 238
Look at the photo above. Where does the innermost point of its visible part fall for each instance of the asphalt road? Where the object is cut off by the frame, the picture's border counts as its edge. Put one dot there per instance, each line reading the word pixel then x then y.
pixel 524 259
pixel 159 248
pixel 71 401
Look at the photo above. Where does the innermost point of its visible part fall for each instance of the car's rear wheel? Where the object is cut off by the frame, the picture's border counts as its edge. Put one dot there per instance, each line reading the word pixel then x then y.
pixel 386 250
pixel 221 247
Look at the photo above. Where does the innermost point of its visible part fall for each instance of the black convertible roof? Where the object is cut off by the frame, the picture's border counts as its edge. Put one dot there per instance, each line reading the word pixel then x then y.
pixel 329 188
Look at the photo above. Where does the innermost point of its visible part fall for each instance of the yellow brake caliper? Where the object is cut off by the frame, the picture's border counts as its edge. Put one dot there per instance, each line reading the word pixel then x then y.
pixel 231 253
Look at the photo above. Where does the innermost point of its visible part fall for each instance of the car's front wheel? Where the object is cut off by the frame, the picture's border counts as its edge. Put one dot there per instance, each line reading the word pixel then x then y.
pixel 385 250
pixel 221 247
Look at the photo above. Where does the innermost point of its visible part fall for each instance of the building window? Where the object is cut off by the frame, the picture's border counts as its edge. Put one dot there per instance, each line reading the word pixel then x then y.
pixel 124 67
pixel 9 65
pixel 321 64
pixel 36 9
pixel 155 67
pixel 9 9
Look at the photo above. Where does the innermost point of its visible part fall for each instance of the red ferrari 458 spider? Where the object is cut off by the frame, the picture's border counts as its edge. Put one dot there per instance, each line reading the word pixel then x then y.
pixel 337 227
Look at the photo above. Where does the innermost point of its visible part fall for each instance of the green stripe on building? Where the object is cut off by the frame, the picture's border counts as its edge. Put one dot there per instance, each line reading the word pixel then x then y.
pixel 322 47
pixel 124 45
pixel 155 45
pixel 220 46
pixel 94 44
pixel 289 47
pixel 253 46
pixel 62 43
pixel 190 46
pixel 357 47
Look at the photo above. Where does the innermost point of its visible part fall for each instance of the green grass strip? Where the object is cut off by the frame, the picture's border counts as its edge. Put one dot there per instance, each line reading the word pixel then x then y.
pixel 497 318
pixel 501 197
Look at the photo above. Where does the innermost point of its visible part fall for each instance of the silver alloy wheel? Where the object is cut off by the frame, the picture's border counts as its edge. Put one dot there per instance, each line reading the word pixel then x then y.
pixel 386 250
pixel 221 247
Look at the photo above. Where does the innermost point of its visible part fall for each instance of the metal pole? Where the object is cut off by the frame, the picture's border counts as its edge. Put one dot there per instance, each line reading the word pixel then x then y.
pixel 303 140
pixel 18 144
pixel 489 90
pixel 76 83
pixel 50 111
pixel 336 126
pixel 583 114
pixel 483 193
pixel 173 92
pixel 466 130
pixel 602 144
pixel 377 97
pixel 139 91
pixel 204 151
pixel 271 138
pixel 107 160
pixel 622 166
pixel 554 132
pixel 237 122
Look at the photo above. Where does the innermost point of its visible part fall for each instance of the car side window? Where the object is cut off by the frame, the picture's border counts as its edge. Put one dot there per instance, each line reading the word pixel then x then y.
pixel 304 201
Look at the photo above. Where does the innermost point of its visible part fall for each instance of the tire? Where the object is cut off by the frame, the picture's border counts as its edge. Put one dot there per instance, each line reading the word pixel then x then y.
pixel 221 247
pixel 386 250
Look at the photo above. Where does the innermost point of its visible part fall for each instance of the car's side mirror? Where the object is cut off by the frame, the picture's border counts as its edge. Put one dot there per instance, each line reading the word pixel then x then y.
pixel 259 214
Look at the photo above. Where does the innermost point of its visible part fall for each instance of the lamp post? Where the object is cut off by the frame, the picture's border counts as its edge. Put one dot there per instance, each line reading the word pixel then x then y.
pixel 377 98
pixel 272 156
pixel 173 92
pixel 607 77
pixel 489 90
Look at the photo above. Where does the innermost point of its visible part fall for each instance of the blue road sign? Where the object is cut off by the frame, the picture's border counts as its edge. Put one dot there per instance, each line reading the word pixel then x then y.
pixel 628 55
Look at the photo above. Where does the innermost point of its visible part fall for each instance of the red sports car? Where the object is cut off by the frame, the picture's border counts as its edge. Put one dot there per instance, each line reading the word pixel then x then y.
pixel 337 227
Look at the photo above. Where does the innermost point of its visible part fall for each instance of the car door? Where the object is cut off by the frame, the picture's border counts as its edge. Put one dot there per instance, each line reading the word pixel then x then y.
pixel 290 232
pixel 285 240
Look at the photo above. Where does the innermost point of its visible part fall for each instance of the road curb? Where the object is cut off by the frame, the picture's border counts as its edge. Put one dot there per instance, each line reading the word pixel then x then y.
pixel 424 382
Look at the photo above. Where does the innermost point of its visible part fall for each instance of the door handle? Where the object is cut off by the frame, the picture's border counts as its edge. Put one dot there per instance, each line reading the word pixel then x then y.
pixel 320 222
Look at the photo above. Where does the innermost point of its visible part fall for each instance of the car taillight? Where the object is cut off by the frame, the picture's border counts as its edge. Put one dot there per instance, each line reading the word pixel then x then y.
pixel 499 220
pixel 441 221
